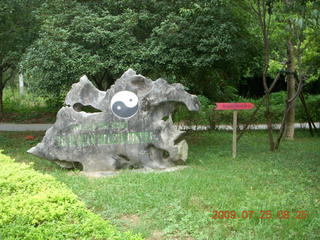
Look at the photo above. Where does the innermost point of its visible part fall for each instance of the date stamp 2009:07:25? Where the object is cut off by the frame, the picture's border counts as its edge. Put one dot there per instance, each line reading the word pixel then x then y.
pixel 263 214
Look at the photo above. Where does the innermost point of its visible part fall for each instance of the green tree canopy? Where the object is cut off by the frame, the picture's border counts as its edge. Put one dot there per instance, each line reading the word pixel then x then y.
pixel 18 29
pixel 207 46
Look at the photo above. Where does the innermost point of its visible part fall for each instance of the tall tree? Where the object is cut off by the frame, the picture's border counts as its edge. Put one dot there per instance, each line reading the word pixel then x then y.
pixel 262 9
pixel 309 57
pixel 299 22
pixel 18 29
pixel 98 38
pixel 207 44
pixel 295 15
pixel 204 44
pixel 291 70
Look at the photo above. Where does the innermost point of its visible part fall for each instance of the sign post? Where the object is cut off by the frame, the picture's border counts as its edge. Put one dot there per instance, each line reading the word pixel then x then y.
pixel 234 107
pixel 234 137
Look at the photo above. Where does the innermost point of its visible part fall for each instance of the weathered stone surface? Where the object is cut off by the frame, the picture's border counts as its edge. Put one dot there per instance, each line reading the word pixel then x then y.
pixel 129 132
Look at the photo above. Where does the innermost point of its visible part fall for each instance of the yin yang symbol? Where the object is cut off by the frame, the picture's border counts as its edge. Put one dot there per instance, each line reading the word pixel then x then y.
pixel 124 104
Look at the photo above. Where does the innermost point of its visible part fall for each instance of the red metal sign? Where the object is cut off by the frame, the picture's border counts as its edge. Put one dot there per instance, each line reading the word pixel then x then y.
pixel 234 106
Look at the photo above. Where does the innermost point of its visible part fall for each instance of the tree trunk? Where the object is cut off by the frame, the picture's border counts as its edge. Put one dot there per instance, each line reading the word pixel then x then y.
pixel 269 123
pixel 291 90
pixel 311 124
pixel 267 89
pixel 1 103
pixel 21 84
pixel 1 92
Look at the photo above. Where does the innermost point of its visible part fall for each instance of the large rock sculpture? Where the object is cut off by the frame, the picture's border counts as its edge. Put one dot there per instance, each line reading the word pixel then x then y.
pixel 133 130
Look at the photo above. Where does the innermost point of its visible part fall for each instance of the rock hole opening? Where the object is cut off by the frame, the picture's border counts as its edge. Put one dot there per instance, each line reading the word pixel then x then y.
pixel 124 158
pixel 77 166
pixel 165 118
pixel 124 162
pixel 165 154
pixel 85 108
pixel 139 82
pixel 69 165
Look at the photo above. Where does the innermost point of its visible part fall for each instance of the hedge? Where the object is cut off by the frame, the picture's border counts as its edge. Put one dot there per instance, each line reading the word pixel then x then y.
pixel 36 206
pixel 208 116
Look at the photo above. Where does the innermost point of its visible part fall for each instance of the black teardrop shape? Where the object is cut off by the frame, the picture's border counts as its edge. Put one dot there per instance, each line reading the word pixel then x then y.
pixel 124 111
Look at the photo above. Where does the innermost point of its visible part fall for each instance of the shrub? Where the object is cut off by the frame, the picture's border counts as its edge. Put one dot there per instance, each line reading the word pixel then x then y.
pixel 15 103
pixel 36 206
pixel 184 116
pixel 313 102
pixel 208 116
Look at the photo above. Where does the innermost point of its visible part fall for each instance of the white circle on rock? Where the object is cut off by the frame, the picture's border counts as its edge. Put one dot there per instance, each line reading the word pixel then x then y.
pixel 124 104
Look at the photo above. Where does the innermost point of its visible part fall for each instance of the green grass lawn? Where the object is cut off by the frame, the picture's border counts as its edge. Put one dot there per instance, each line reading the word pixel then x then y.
pixel 180 205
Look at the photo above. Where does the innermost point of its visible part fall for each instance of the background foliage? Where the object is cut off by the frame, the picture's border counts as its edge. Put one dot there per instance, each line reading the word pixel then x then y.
pixel 205 45
pixel 209 117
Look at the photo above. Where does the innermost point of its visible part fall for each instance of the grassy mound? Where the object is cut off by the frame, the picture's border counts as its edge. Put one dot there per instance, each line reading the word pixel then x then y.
pixel 36 206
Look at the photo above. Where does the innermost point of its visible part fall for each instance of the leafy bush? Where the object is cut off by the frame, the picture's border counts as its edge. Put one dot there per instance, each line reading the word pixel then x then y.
pixel 15 103
pixel 313 102
pixel 202 117
pixel 36 206
pixel 31 106
pixel 28 106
